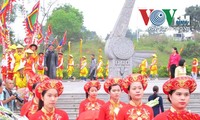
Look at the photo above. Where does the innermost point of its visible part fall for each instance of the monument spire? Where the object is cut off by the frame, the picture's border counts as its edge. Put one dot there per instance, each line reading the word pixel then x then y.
pixel 118 48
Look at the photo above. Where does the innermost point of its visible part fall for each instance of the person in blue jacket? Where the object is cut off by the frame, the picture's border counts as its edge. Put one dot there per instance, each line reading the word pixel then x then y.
pixel 159 107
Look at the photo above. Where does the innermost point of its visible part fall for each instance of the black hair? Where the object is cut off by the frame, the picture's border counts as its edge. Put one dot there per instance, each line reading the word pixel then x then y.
pixel 129 90
pixel 0 82
pixel 110 87
pixel 40 53
pixel 34 86
pixel 93 55
pixel 86 93
pixel 170 93
pixel 41 103
pixel 175 49
pixel 181 62
pixel 155 91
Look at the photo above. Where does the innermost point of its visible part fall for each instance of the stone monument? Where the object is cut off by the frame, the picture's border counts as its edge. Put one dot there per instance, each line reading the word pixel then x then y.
pixel 118 48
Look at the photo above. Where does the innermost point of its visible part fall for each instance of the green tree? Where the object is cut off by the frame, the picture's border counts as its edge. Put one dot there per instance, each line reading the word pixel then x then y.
pixel 67 18
pixel 194 12
pixel 88 35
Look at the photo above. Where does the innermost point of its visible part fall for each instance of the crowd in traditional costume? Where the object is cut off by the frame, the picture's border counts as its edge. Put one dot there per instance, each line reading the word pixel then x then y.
pixel 40 64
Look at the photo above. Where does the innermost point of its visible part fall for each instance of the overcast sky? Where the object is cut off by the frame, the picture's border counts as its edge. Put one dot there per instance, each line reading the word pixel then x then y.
pixel 101 15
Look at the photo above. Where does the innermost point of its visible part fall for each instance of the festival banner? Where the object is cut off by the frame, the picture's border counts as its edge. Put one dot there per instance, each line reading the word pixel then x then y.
pixel 32 19
pixel 48 34
pixel 64 39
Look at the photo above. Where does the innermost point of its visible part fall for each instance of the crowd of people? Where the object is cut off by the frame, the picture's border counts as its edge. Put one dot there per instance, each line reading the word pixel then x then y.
pixel 177 89
pixel 176 66
pixel 38 81
pixel 51 63
pixel 45 93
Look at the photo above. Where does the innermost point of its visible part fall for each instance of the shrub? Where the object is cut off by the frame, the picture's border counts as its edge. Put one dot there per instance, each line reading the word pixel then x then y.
pixel 162 71
pixel 188 70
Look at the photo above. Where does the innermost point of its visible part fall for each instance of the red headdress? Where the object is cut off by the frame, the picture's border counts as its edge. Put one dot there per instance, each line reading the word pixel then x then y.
pixel 111 81
pixel 92 84
pixel 49 84
pixel 179 82
pixel 36 79
pixel 134 78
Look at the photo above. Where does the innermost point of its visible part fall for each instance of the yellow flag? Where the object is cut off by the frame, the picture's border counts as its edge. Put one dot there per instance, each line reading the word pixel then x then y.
pixel 69 47
pixel 81 43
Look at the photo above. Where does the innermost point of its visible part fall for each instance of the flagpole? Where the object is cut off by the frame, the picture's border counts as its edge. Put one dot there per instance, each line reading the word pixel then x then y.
pixel 100 50
pixel 9 16
pixel 3 42
pixel 81 43
pixel 69 47
pixel 137 34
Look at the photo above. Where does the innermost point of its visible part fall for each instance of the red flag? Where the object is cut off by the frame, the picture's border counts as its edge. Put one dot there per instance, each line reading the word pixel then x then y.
pixel 64 38
pixel 6 5
pixel 36 6
pixel 49 30
pixel 55 39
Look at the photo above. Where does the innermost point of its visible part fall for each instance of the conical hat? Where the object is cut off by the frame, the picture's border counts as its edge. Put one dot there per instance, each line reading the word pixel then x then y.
pixel 154 55
pixel 28 51
pixel 71 55
pixel 12 47
pixel 19 46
